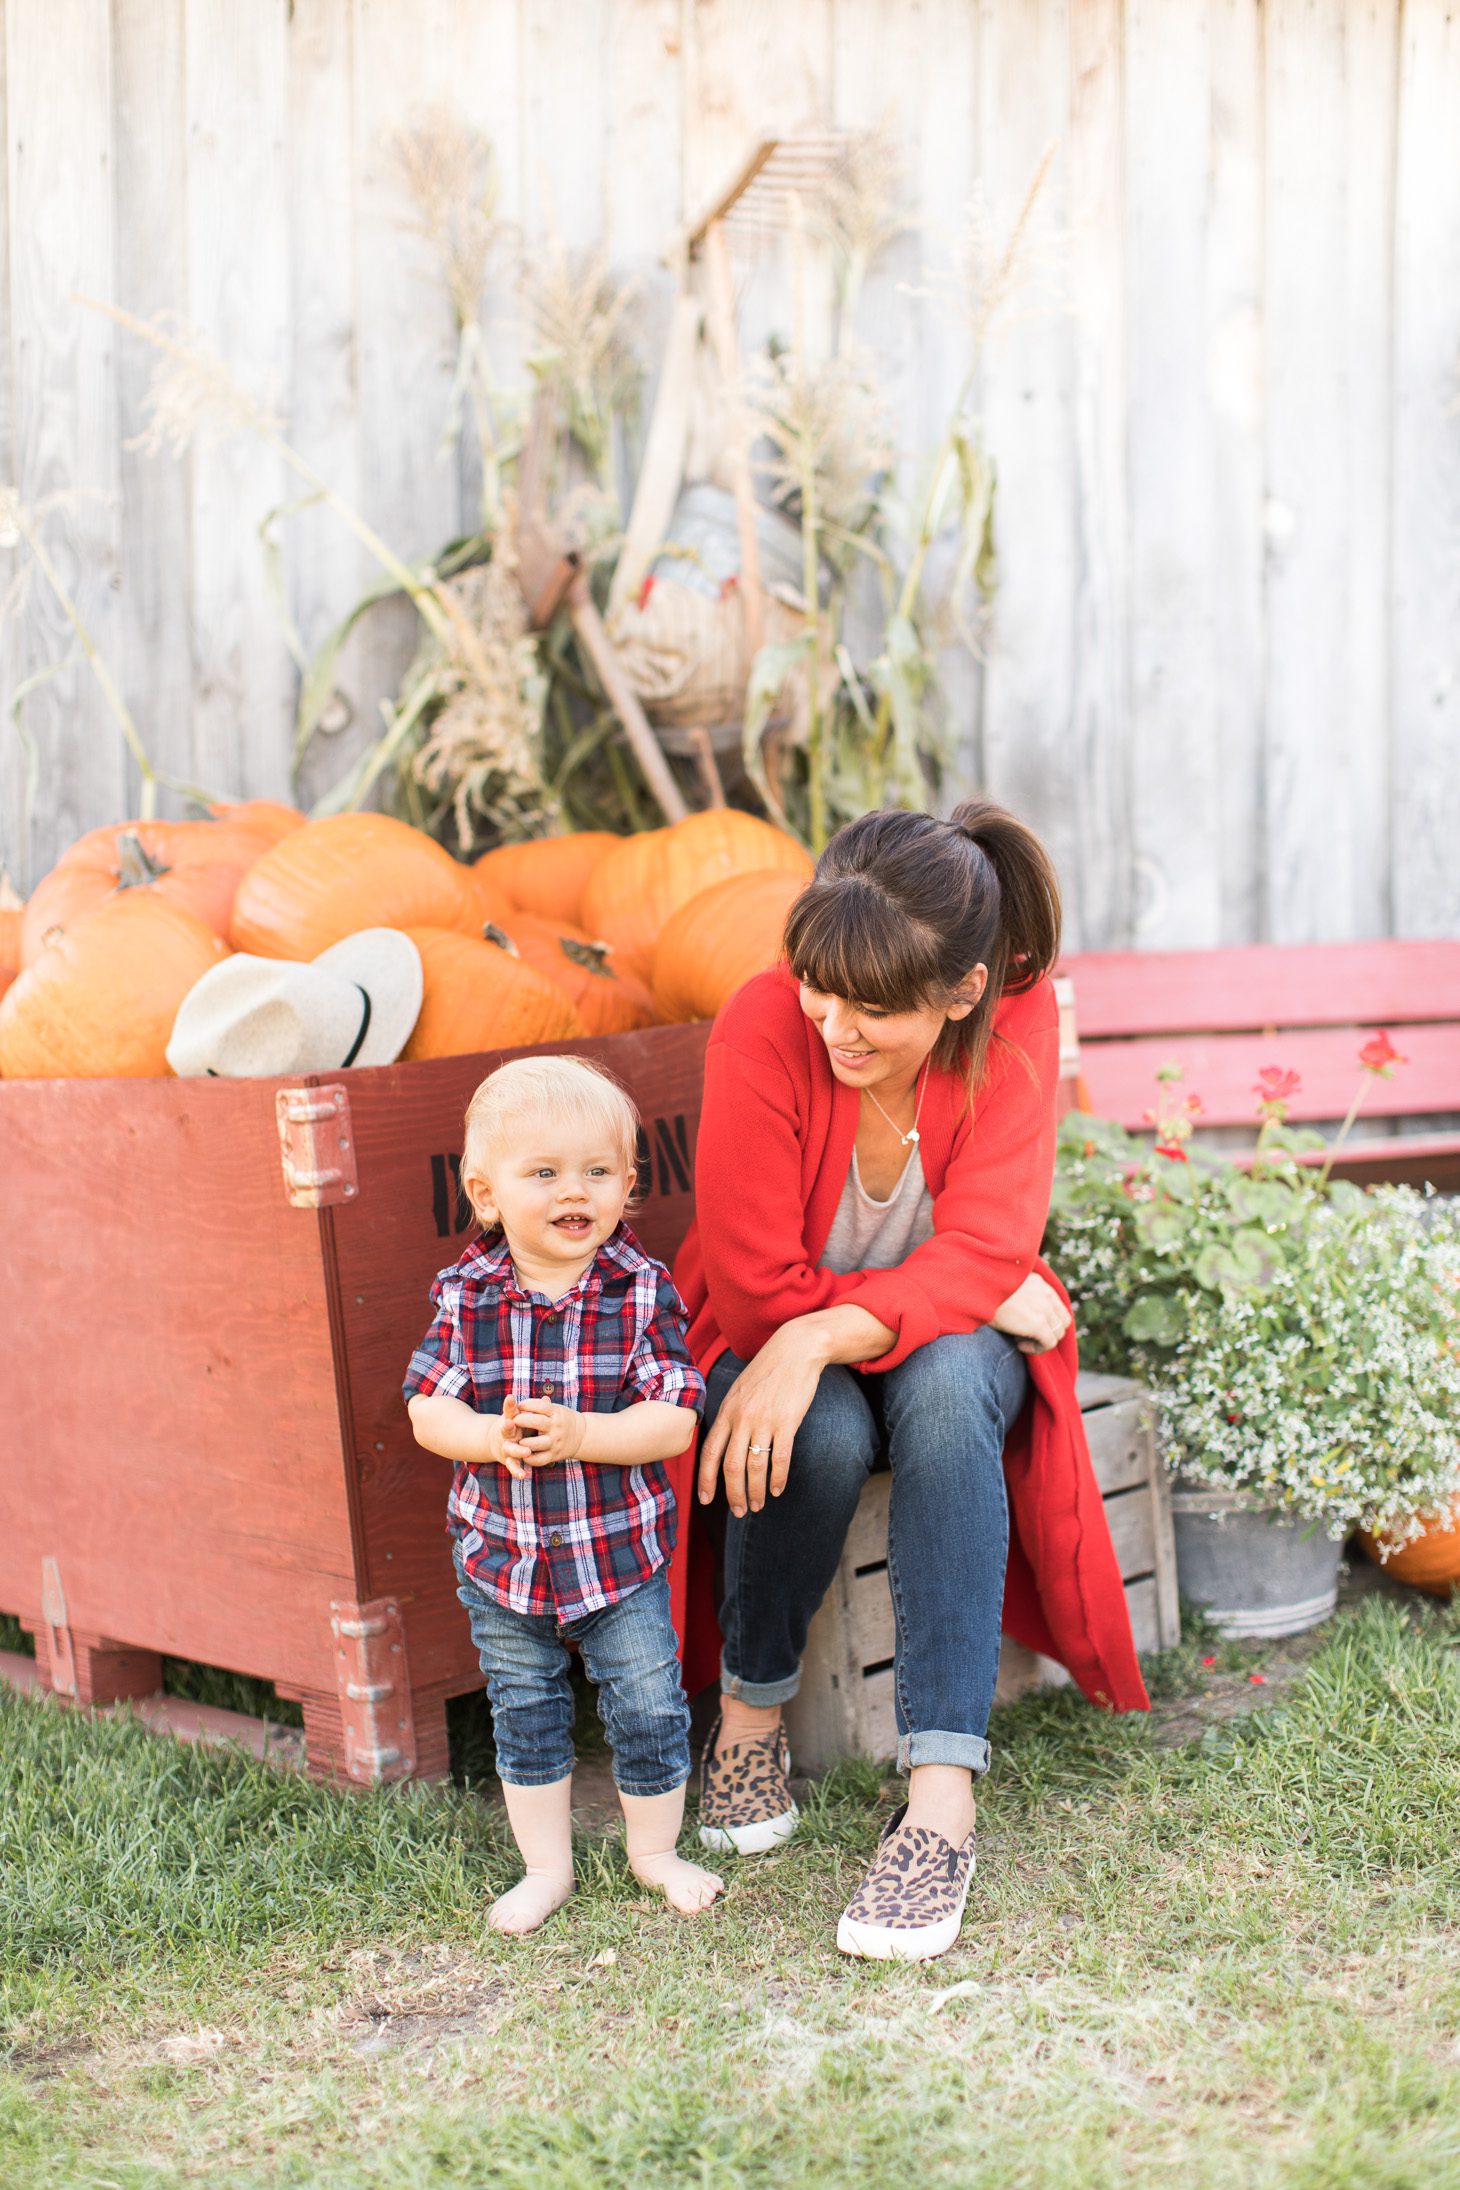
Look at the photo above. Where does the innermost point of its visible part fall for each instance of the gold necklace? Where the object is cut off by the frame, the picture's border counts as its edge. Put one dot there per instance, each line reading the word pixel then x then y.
pixel 912 1134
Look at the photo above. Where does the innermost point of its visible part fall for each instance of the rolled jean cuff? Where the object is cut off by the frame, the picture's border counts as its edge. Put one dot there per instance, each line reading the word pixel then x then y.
pixel 969 1750
pixel 533 1775
pixel 761 1695
pixel 649 1788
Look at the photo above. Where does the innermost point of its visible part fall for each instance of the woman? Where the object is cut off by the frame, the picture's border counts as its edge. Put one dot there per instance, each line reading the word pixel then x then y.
pixel 875 1155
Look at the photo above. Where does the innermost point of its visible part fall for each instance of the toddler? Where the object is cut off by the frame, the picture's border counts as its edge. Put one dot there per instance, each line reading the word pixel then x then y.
pixel 556 1375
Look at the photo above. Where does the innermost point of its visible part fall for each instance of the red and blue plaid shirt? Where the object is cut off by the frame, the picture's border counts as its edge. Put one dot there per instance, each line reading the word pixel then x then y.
pixel 577 1535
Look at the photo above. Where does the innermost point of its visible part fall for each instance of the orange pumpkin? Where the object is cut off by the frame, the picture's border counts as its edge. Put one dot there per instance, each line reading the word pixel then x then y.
pixel 197 865
pixel 7 975
pixel 12 905
pixel 1431 1562
pixel 493 903
pixel 548 875
pixel 607 1001
pixel 343 873
pixel 265 818
pixel 719 940
pixel 99 1001
pixel 633 891
pixel 479 996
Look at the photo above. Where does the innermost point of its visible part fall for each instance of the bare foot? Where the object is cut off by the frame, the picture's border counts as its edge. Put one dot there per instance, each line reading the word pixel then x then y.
pixel 684 1885
pixel 531 1902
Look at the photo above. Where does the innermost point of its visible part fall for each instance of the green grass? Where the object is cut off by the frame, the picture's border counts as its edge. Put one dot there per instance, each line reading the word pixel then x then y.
pixel 1233 1962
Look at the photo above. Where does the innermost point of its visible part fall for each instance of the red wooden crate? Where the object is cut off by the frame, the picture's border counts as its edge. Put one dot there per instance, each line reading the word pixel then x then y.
pixel 203 1448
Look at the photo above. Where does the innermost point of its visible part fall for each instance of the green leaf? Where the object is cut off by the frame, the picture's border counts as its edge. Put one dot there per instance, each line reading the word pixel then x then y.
pixel 1155 1319
pixel 768 674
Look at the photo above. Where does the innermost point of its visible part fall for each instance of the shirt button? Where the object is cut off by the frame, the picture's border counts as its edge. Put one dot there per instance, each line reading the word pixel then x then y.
pixel 556 1539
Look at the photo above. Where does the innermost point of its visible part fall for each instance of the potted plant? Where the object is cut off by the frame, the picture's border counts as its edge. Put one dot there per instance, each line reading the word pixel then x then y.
pixel 1298 1334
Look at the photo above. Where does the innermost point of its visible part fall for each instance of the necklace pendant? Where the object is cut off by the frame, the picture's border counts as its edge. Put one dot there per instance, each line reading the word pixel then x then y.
pixel 914 1135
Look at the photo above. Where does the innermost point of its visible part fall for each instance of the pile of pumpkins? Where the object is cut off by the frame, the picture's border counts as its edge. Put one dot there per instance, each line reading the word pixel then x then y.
pixel 546 941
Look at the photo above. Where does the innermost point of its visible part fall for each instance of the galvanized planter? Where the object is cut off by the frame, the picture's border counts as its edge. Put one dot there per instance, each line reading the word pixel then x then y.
pixel 1252 1572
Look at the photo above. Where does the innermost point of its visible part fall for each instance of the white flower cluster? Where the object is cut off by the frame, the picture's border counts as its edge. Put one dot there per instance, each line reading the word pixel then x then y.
pixel 1332 1389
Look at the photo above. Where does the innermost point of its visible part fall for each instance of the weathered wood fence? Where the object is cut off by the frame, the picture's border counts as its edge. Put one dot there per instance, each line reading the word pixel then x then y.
pixel 1223 674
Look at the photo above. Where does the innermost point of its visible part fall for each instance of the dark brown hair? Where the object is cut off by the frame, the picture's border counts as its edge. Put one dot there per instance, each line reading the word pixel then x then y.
pixel 903 906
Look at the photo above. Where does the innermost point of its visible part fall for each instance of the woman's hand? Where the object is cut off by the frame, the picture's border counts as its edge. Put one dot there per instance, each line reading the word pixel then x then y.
pixel 1035 1316
pixel 757 1423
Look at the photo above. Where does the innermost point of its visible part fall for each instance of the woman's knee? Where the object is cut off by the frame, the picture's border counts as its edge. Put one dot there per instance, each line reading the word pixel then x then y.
pixel 839 1433
pixel 961 1377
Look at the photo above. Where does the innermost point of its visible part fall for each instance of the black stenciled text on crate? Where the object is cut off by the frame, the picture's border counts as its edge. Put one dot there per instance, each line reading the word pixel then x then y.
pixel 664 1158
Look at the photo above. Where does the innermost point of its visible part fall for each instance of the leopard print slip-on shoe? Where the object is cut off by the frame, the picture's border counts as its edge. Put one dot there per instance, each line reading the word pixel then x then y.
pixel 909 1907
pixel 745 1795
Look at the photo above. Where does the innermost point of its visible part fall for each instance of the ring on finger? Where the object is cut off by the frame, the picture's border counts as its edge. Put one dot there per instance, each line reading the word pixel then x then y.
pixel 755 1448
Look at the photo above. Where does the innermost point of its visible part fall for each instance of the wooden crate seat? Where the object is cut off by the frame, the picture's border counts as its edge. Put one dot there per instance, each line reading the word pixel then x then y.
pixel 1224 1015
pixel 844 1706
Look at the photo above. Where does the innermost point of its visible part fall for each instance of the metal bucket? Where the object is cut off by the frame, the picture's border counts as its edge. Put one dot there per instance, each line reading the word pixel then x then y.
pixel 1252 1572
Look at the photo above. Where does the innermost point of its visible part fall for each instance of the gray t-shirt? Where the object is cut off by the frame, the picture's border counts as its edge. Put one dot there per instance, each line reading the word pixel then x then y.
pixel 878 1235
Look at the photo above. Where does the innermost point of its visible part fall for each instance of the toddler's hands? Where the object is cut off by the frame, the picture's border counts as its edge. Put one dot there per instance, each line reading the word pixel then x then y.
pixel 504 1446
pixel 546 1432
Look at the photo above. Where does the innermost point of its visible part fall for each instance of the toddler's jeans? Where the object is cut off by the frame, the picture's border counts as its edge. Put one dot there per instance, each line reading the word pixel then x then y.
pixel 629 1653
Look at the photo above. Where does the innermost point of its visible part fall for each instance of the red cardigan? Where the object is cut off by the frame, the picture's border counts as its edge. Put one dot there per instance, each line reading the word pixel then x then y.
pixel 775 1145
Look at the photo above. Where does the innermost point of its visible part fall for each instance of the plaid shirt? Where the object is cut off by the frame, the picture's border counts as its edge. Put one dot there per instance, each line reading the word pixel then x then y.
pixel 578 1535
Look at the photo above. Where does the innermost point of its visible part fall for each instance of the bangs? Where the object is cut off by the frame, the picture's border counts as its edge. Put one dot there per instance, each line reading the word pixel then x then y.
pixel 845 938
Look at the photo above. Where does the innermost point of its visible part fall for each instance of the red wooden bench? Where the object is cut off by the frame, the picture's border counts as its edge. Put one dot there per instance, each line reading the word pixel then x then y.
pixel 1225 1014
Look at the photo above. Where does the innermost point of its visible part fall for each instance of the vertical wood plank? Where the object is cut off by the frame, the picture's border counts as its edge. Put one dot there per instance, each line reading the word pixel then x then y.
pixel 327 569
pixel 484 40
pixel 1328 230
pixel 1234 291
pixel 14 850
pixel 1425 657
pixel 564 62
pixel 154 661
pixel 1024 105
pixel 1174 655
pixel 643 180
pixel 410 491
pixel 58 79
pixel 1095 787
pixel 1371 85
pixel 237 108
pixel 912 62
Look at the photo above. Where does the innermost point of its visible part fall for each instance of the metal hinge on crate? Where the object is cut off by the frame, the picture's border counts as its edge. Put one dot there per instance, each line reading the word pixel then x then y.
pixel 317 1146
pixel 375 1690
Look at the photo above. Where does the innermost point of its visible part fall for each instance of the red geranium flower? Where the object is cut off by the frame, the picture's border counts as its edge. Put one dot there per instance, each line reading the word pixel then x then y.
pixel 1275 1085
pixel 1170 1149
pixel 1379 1053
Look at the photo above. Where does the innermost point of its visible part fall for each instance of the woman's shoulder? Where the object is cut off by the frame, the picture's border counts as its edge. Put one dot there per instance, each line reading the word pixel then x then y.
pixel 767 1008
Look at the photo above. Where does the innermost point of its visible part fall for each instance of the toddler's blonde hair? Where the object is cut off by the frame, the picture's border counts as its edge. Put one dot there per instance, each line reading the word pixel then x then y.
pixel 519 1093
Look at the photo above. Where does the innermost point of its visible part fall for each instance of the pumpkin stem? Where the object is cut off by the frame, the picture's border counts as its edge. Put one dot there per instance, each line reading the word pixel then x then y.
pixel 491 933
pixel 592 957
pixel 136 866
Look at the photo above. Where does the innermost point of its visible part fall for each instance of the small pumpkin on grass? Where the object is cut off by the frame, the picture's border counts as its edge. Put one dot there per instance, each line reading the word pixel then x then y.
pixel 634 890
pixel 607 1001
pixel 98 1001
pixel 549 874
pixel 719 940
pixel 482 996
pixel 197 865
pixel 343 873
pixel 1430 1561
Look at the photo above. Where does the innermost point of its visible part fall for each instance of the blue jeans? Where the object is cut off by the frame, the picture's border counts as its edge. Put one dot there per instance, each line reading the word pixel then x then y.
pixel 630 1654
pixel 940 1418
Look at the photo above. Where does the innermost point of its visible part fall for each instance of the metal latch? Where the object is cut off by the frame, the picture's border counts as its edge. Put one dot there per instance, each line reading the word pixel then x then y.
pixel 317 1146
pixel 375 1691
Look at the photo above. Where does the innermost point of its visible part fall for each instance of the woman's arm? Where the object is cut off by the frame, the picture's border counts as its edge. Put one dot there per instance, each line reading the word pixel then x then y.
pixel 769 1400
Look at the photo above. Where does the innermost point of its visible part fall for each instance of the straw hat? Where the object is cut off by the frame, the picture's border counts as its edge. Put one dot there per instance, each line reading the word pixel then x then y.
pixel 250 1018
